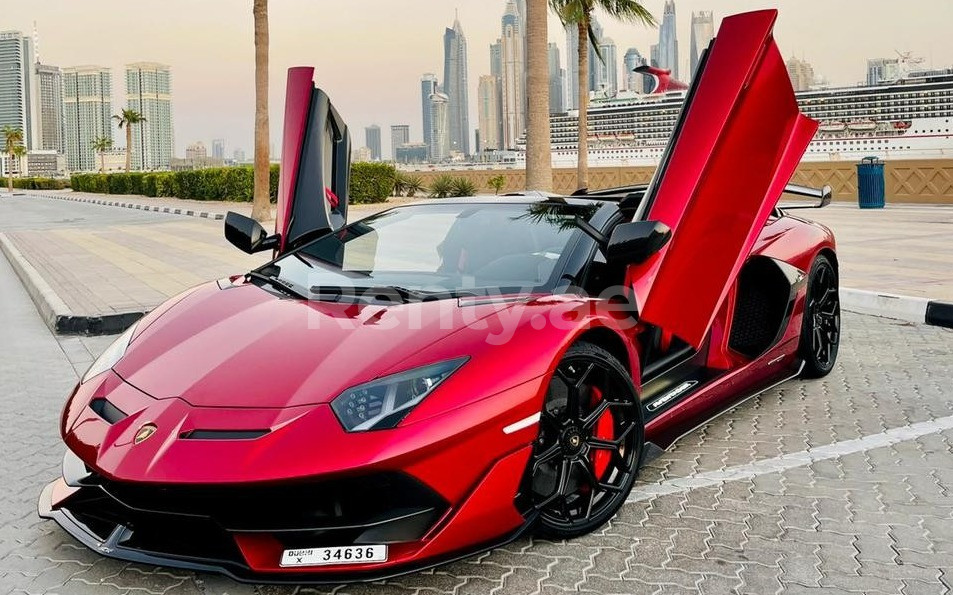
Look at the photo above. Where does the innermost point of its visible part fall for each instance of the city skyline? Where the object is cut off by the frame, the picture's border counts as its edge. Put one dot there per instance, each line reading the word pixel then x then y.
pixel 225 109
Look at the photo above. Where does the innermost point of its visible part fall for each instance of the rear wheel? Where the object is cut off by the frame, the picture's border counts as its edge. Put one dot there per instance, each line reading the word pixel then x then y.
pixel 590 444
pixel 820 329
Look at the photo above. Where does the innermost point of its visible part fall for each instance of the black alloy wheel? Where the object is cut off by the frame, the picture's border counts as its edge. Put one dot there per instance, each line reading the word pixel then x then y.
pixel 820 329
pixel 590 444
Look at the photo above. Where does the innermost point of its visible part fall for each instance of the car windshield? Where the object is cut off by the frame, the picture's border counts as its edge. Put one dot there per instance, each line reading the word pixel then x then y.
pixel 451 249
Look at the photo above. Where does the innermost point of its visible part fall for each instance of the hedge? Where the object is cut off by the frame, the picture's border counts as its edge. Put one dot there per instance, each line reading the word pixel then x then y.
pixel 37 183
pixel 370 182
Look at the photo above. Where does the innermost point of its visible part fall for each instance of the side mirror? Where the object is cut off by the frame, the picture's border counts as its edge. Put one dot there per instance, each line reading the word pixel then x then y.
pixel 248 235
pixel 634 243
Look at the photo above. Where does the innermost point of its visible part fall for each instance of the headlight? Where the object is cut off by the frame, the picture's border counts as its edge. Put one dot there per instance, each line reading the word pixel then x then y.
pixel 382 403
pixel 111 356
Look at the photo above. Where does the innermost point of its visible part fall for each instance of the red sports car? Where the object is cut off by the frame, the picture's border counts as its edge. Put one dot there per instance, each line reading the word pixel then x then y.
pixel 439 378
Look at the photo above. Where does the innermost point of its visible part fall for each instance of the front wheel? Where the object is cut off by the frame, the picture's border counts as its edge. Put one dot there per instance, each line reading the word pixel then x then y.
pixel 590 444
pixel 820 329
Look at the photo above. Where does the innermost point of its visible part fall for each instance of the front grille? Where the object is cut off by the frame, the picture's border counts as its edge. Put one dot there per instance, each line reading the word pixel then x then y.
pixel 379 508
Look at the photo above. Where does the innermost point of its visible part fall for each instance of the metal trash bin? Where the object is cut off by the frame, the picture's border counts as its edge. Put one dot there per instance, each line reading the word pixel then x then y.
pixel 870 183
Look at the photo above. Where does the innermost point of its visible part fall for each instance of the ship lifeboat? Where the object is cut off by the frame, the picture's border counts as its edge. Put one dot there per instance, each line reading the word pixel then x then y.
pixel 832 127
pixel 625 136
pixel 862 126
pixel 901 125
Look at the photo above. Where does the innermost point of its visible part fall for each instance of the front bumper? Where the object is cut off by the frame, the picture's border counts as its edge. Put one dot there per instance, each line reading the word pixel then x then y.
pixel 184 528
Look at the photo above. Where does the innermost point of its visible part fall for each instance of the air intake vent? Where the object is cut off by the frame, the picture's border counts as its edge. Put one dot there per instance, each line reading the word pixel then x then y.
pixel 107 410
pixel 223 434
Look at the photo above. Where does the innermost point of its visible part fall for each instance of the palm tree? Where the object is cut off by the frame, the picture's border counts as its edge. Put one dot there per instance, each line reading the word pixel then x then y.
pixel 539 163
pixel 101 145
pixel 579 13
pixel 261 205
pixel 128 118
pixel 19 152
pixel 13 138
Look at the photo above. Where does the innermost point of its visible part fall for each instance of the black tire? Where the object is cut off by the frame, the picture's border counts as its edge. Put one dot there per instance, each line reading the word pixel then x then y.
pixel 579 478
pixel 820 328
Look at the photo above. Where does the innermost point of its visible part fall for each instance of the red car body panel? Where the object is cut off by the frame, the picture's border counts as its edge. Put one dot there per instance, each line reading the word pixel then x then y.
pixel 233 357
pixel 742 119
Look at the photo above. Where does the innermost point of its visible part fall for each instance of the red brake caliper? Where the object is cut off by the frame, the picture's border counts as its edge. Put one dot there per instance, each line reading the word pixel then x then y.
pixel 604 430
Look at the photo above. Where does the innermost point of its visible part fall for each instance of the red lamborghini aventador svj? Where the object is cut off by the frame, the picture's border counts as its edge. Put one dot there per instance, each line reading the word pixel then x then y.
pixel 439 378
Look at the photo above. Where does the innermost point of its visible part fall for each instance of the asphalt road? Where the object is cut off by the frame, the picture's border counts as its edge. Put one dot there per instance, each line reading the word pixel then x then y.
pixel 832 486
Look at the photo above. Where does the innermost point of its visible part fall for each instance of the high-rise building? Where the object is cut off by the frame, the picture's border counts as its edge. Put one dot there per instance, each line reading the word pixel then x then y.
pixel 595 81
pixel 703 31
pixel 455 87
pixel 440 129
pixel 667 40
pixel 399 135
pixel 372 140
pixel 557 81
pixel 18 92
pixel 196 151
pixel 514 96
pixel 572 67
pixel 428 86
pixel 49 82
pixel 488 110
pixel 149 92
pixel 801 73
pixel 87 114
pixel 654 55
pixel 880 70
pixel 239 155
pixel 606 70
pixel 218 148
pixel 633 81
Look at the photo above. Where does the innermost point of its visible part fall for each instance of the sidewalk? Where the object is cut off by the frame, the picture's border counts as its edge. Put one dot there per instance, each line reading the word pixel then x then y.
pixel 94 268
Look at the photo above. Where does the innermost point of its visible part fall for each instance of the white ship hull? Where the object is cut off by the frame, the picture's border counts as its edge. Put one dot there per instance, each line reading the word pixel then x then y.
pixel 927 138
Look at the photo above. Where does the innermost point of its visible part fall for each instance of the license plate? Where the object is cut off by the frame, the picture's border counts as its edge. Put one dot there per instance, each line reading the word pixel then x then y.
pixel 323 556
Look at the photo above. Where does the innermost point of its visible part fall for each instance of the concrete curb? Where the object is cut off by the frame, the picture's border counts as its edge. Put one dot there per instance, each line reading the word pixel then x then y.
pixel 900 307
pixel 53 310
pixel 136 205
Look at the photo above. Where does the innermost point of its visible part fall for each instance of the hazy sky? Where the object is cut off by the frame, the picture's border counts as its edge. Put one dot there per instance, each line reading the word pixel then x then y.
pixel 369 54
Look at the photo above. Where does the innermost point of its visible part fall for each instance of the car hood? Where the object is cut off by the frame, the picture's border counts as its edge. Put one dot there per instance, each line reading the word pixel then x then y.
pixel 245 347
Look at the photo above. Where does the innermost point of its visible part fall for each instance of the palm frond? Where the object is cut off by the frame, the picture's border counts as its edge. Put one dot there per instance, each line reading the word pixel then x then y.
pixel 627 10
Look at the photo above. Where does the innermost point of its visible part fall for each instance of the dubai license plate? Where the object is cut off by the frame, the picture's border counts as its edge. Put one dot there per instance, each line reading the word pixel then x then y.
pixel 324 556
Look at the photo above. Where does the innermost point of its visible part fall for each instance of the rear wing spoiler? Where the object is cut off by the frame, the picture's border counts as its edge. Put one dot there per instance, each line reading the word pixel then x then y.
pixel 823 196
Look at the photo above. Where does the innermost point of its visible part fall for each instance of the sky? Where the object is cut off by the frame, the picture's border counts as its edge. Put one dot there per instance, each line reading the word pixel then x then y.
pixel 369 54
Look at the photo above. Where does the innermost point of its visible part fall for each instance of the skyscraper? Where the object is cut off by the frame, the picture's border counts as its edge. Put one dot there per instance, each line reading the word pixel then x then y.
pixel 428 86
pixel 514 103
pixel 703 31
pixel 455 87
pixel 399 135
pixel 87 114
pixel 18 93
pixel 372 140
pixel 801 73
pixel 667 40
pixel 557 81
pixel 49 81
pixel 572 67
pixel 149 92
pixel 440 129
pixel 607 70
pixel 633 80
pixel 595 80
pixel 218 148
pixel 488 97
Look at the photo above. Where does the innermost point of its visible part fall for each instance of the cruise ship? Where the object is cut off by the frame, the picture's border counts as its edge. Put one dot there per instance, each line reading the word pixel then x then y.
pixel 910 118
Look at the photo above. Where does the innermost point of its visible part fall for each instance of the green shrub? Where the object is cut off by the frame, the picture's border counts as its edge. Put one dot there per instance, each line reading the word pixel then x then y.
pixel 442 186
pixel 462 187
pixel 497 183
pixel 372 182
pixel 38 183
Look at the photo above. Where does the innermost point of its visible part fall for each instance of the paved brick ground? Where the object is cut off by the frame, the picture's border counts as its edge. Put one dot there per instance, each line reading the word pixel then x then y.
pixel 875 521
